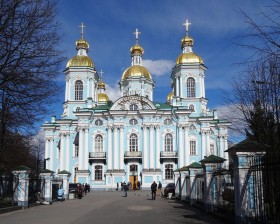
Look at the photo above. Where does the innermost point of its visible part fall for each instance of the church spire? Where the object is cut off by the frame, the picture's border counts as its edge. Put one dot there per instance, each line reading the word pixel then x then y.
pixel 136 51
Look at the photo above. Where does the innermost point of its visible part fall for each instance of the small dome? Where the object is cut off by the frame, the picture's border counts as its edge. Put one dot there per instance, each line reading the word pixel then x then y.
pixel 137 49
pixel 82 44
pixel 102 97
pixel 136 71
pixel 187 41
pixel 189 57
pixel 80 61
pixel 169 96
pixel 101 85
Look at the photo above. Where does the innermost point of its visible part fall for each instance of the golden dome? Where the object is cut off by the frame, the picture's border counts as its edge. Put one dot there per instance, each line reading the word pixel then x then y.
pixel 82 44
pixel 170 96
pixel 187 41
pixel 189 57
pixel 137 49
pixel 136 71
pixel 80 61
pixel 101 85
pixel 102 97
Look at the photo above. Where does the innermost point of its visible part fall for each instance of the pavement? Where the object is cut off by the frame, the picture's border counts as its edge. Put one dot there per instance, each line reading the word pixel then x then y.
pixel 110 207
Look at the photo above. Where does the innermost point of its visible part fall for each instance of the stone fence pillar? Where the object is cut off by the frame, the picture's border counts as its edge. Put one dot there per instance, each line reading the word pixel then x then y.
pixel 65 176
pixel 21 185
pixel 47 176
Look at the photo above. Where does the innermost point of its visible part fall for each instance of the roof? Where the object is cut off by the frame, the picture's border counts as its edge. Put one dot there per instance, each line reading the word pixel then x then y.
pixel 46 171
pixel 102 107
pixel 22 168
pixel 64 172
pixel 213 159
pixel 194 165
pixel 248 145
pixel 162 106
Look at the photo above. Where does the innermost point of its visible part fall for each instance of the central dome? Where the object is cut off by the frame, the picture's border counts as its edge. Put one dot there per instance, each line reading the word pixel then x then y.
pixel 189 57
pixel 102 97
pixel 80 61
pixel 136 71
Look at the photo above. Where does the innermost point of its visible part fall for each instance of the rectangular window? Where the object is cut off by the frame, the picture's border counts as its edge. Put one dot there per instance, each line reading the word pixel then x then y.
pixel 76 150
pixel 98 172
pixel 169 171
pixel 192 148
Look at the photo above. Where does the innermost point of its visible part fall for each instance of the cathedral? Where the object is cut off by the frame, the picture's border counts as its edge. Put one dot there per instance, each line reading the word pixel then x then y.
pixel 133 139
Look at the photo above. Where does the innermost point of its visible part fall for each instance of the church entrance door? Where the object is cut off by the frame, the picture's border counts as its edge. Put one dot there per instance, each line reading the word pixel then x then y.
pixel 133 176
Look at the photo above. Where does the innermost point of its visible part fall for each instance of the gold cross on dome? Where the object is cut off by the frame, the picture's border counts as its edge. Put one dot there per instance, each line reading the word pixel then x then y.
pixel 187 24
pixel 101 73
pixel 82 29
pixel 136 34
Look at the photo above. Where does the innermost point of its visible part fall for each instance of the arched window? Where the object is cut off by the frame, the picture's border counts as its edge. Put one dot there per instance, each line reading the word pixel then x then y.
pixel 133 107
pixel 190 87
pixel 133 122
pixel 169 171
pixel 79 90
pixel 133 143
pixel 98 143
pixel 167 121
pixel 191 107
pixel 168 140
pixel 98 172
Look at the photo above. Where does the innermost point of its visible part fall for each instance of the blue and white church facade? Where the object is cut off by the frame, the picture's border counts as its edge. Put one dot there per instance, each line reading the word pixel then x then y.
pixel 133 139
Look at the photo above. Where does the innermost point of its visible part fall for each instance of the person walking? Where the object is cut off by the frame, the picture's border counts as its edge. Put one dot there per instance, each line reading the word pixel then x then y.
pixel 159 188
pixel 154 190
pixel 117 186
pixel 125 189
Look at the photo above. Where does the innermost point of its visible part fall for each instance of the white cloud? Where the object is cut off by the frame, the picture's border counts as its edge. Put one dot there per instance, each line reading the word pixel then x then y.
pixel 113 92
pixel 158 67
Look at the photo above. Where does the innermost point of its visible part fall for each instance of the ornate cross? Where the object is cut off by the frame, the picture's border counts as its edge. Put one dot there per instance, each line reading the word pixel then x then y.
pixel 82 29
pixel 101 73
pixel 136 34
pixel 187 24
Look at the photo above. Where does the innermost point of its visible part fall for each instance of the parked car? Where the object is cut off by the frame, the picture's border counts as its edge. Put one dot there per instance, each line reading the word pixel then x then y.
pixel 170 188
pixel 73 188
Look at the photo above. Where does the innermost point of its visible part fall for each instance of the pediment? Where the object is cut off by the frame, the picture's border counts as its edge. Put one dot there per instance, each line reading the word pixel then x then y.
pixel 125 102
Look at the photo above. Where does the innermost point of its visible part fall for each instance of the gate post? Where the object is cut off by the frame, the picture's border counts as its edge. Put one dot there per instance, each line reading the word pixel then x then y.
pixel 47 176
pixel 21 185
pixel 210 164
pixel 65 175
pixel 194 169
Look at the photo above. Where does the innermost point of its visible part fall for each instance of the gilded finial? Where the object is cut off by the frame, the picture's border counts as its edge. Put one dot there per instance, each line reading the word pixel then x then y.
pixel 187 24
pixel 82 29
pixel 136 35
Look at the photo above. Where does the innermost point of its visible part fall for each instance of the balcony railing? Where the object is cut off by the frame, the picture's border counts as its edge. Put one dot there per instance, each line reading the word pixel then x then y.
pixel 166 154
pixel 97 155
pixel 129 154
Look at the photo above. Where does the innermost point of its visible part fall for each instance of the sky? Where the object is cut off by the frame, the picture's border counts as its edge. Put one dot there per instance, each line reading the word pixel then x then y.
pixel 215 27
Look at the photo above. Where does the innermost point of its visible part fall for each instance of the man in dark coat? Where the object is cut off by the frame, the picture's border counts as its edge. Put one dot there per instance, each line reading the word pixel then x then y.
pixel 154 190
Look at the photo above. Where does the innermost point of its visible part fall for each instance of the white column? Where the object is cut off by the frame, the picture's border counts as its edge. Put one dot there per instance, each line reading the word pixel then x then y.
pixel 202 144
pixel 203 86
pixel 86 153
pixel 81 133
pixel 62 152
pixel 207 143
pixel 181 89
pixel 121 149
pixel 181 148
pixel 109 154
pixel 157 147
pixel 66 89
pixel 67 150
pixel 152 160
pixel 177 86
pixel 47 147
pixel 221 146
pixel 145 156
pixel 187 147
pixel 115 148
pixel 226 154
pixel 52 156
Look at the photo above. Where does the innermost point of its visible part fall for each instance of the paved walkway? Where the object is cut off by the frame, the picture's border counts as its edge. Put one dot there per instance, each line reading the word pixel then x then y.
pixel 110 208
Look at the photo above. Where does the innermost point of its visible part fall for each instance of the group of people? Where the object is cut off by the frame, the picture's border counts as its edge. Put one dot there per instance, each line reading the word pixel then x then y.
pixel 156 190
pixel 135 186
pixel 82 189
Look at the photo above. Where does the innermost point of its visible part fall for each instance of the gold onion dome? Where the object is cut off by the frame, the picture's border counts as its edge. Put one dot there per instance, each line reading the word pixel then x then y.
pixel 187 41
pixel 137 49
pixel 102 97
pixel 136 71
pixel 170 96
pixel 81 60
pixel 189 57
pixel 101 85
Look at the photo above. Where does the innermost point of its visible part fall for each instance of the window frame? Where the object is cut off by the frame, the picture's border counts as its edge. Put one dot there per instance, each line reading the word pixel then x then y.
pixel 190 87
pixel 133 143
pixel 168 142
pixel 98 143
pixel 79 89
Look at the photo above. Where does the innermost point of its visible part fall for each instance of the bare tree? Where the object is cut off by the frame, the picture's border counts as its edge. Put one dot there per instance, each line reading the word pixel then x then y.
pixel 29 64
